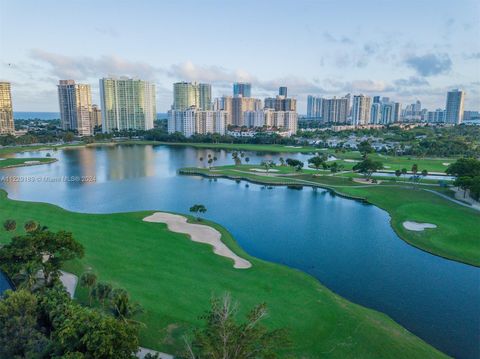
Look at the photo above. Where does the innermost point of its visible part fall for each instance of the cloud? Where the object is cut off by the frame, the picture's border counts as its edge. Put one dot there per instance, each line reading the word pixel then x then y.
pixel 359 86
pixel 430 64
pixel 411 81
pixel 222 77
pixel 83 67
pixel 215 74
pixel 472 56
pixel 340 39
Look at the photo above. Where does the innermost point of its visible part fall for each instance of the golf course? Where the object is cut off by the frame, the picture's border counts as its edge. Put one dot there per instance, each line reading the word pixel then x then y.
pixel 454 238
pixel 173 279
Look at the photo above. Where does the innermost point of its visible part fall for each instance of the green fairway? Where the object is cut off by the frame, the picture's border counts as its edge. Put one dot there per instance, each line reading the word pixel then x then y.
pixel 456 236
pixel 350 158
pixel 20 162
pixel 173 279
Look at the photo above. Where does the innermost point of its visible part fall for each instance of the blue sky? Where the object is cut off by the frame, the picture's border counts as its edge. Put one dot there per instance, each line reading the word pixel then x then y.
pixel 403 49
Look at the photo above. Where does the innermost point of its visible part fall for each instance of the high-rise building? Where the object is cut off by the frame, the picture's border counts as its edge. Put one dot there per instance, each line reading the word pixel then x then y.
pixel 396 111
pixel 185 95
pixel 282 91
pixel 225 103
pixel 127 104
pixel 6 111
pixel 361 109
pixel 376 113
pixel 194 121
pixel 205 96
pixel 454 106
pixel 335 110
pixel 95 116
pixel 240 105
pixel 242 88
pixel 75 101
pixel 436 116
pixel 281 103
pixel 188 94
pixel 376 99
pixel 314 107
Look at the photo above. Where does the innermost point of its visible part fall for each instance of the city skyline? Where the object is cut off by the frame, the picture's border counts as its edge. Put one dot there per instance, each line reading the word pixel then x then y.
pixel 417 59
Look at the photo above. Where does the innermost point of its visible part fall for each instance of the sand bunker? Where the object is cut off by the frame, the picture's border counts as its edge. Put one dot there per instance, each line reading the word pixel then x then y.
pixel 351 161
pixel 260 170
pixel 198 233
pixel 445 163
pixel 415 226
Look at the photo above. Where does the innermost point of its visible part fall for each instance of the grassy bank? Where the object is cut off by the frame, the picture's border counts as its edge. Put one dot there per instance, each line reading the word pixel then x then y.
pixel 21 162
pixel 173 279
pixel 456 235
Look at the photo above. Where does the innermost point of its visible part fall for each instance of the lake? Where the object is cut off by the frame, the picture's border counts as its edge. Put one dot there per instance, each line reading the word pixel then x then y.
pixel 348 245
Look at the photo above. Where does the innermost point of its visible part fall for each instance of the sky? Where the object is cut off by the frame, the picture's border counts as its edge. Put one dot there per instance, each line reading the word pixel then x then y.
pixel 407 50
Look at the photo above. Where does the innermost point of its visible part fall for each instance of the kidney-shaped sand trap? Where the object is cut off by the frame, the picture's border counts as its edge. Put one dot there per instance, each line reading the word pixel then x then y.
pixel 415 226
pixel 199 233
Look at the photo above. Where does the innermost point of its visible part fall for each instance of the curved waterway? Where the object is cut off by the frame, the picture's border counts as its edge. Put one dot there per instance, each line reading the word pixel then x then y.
pixel 348 245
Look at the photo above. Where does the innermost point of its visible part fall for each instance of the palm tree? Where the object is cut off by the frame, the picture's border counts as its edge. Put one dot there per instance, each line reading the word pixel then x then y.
pixel 88 280
pixel 398 173
pixel 247 159
pixel 201 160
pixel 101 292
pixel 10 225
pixel 404 172
pixel 282 161
pixel 121 306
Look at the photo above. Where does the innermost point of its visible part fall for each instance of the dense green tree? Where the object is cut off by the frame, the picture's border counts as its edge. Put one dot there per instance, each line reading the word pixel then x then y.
pixel 365 148
pixel 464 167
pixel 223 337
pixel 40 250
pixel 198 208
pixel 21 336
pixel 88 280
pixel 318 161
pixel 367 167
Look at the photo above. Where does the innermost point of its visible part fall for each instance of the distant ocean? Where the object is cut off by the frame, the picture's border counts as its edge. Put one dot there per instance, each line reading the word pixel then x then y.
pixel 51 115
pixel 36 115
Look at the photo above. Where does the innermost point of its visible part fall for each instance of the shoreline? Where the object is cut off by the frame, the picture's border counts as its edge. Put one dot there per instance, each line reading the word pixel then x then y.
pixel 257 263
pixel 331 189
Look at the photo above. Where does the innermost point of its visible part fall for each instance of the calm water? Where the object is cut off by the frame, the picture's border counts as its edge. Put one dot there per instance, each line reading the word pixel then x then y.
pixel 349 246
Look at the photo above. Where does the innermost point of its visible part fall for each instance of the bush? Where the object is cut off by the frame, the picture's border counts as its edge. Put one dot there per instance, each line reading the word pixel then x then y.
pixel 10 225
pixel 31 226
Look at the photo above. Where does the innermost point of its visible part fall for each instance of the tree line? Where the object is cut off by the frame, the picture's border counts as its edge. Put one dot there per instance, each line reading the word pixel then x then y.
pixel 39 319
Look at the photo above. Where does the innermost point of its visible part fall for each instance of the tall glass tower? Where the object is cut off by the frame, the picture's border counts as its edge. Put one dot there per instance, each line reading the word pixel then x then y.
pixel 6 111
pixel 127 104
pixel 242 88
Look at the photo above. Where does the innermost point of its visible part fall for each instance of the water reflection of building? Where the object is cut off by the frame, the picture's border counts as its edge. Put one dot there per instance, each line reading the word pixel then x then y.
pixel 124 162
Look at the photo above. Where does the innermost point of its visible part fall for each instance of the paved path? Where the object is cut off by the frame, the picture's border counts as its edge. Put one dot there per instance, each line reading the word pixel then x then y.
pixel 69 281
pixel 473 206
pixel 144 351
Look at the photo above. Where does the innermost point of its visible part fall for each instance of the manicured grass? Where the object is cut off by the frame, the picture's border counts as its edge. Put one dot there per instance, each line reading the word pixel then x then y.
pixel 394 162
pixel 173 279
pixel 20 162
pixel 18 149
pixel 456 236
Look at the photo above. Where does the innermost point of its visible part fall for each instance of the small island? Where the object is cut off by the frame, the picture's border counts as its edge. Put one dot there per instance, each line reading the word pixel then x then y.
pixel 23 162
